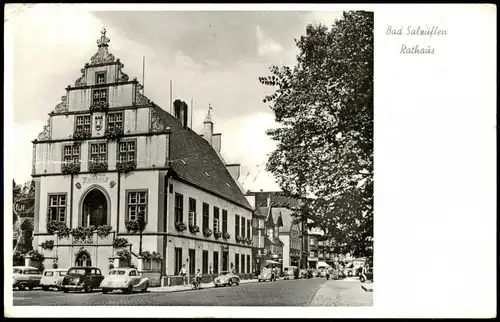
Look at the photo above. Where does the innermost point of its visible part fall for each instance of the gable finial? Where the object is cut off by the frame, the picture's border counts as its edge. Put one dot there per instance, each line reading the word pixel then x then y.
pixel 209 115
pixel 103 41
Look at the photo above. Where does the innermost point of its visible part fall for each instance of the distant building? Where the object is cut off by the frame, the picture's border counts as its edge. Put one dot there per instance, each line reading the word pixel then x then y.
pixel 109 155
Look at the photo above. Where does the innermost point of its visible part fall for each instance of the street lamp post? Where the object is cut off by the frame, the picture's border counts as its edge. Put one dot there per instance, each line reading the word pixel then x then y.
pixel 142 225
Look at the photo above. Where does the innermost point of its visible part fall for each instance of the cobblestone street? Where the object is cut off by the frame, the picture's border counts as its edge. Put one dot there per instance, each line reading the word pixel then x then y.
pixel 303 292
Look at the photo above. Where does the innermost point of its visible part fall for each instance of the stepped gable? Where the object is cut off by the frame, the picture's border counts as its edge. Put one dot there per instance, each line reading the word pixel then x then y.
pixel 192 156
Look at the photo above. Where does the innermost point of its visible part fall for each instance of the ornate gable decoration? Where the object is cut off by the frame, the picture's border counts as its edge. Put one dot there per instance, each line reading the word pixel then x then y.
pixel 139 98
pixel 62 107
pixel 81 81
pixel 156 123
pixel 45 134
pixel 102 56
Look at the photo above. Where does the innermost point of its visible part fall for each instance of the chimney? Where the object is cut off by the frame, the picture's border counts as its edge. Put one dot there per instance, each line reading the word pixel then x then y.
pixel 181 112
pixel 269 200
pixel 208 128
pixel 216 138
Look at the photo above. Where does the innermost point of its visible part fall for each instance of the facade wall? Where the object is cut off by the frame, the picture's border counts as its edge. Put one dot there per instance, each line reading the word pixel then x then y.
pixel 286 249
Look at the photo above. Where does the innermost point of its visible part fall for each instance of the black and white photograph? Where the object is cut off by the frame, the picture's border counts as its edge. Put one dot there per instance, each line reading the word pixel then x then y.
pixel 193 158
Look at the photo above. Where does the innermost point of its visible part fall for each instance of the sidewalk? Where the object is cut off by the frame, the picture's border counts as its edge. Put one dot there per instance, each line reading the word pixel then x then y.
pixel 181 288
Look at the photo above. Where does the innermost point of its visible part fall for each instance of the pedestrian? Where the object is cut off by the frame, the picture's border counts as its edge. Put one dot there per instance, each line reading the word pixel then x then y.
pixel 198 277
pixel 363 272
pixel 183 273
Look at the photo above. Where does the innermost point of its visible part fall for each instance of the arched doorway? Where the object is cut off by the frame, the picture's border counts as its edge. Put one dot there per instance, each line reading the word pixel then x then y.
pixel 83 259
pixel 95 209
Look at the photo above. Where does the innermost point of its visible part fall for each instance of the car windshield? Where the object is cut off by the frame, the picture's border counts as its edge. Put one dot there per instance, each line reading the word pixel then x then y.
pixel 117 272
pixel 79 271
pixel 17 271
pixel 31 272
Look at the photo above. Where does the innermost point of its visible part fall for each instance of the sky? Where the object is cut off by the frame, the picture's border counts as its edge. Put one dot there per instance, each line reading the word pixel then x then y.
pixel 212 57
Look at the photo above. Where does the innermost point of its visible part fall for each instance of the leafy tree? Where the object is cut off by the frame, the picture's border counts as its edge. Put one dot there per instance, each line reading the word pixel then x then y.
pixel 324 154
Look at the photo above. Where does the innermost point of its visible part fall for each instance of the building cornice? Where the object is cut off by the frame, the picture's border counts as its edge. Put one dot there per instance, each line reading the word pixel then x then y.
pixel 107 171
pixel 73 88
pixel 102 137
pixel 176 177
pixel 187 237
pixel 110 110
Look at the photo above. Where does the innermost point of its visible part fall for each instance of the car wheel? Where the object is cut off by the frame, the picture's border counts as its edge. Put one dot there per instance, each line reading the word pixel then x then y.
pixel 237 283
pixel 45 288
pixel 128 290
pixel 30 287
pixel 145 288
pixel 230 283
pixel 65 290
pixel 105 291
pixel 89 289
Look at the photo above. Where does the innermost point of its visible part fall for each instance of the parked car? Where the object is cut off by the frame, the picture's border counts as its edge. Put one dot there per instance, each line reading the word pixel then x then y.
pixel 26 277
pixel 289 272
pixel 303 273
pixel 266 274
pixel 52 278
pixel 82 279
pixel 226 278
pixel 125 279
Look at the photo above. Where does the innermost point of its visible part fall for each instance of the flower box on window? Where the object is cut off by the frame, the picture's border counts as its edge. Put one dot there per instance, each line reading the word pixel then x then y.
pixel 239 238
pixel 217 234
pixel 59 227
pixel 114 134
pixel 83 234
pixel 132 226
pixel 70 168
pixel 124 254
pixel 226 235
pixel 249 241
pixel 103 231
pixel 81 135
pixel 126 166
pixel 98 166
pixel 194 229
pixel 120 242
pixel 207 232
pixel 48 244
pixel 99 107
pixel 180 226
pixel 36 256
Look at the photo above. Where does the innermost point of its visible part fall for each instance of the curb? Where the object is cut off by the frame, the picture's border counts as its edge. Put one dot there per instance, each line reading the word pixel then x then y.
pixel 367 289
pixel 166 290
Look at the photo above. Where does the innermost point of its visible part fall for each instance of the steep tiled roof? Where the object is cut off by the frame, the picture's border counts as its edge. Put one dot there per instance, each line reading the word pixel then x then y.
pixel 193 158
pixel 277 199
pixel 286 217
pixel 262 211
pixel 276 213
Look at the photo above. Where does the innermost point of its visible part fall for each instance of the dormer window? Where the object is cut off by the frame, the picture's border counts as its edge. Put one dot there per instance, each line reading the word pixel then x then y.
pixel 100 78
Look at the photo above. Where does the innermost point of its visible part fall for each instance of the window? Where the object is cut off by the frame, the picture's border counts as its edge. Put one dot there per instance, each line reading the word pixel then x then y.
pixel 248 263
pixel 126 151
pixel 236 263
pixel 243 229
pixel 206 216
pixel 62 273
pixel 179 207
pixel 216 219
pixel 57 207
pixel 83 123
pixel 192 211
pixel 133 273
pixel 115 120
pixel 100 77
pixel 136 204
pixel 192 262
pixel 98 152
pixel 48 274
pixel 225 260
pixel 242 263
pixel 100 95
pixel 236 225
pixel 248 228
pixel 224 221
pixel 204 267
pixel 71 154
pixel 311 241
pixel 216 263
pixel 178 260
pixel 311 254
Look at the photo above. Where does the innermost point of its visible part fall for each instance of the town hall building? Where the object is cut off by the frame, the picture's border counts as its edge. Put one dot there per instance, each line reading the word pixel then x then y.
pixel 109 156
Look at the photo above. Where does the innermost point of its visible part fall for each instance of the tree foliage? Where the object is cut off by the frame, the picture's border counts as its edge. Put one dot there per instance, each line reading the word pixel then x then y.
pixel 324 106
